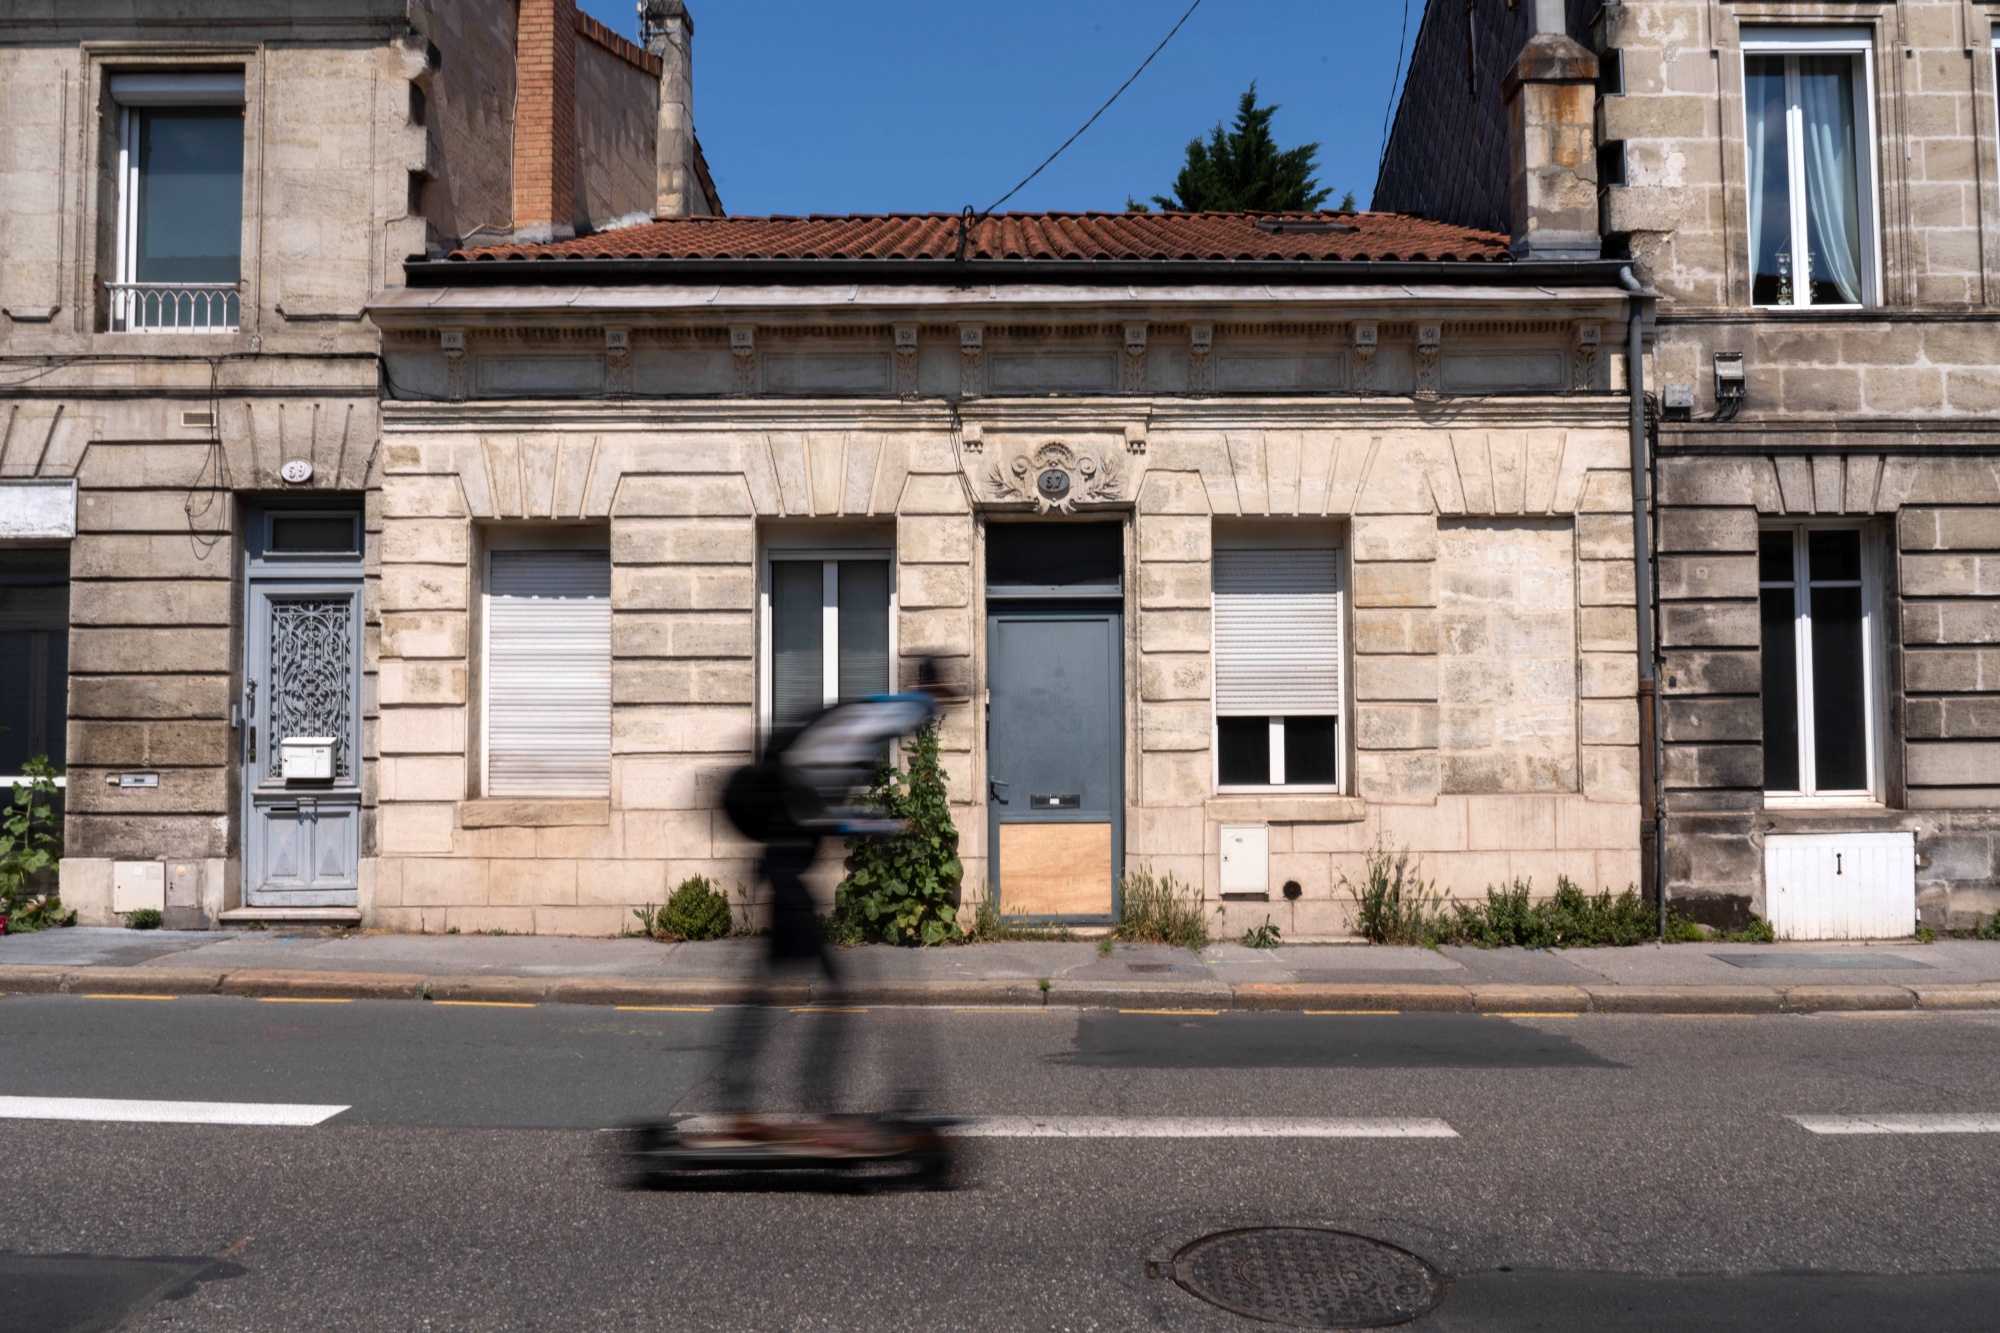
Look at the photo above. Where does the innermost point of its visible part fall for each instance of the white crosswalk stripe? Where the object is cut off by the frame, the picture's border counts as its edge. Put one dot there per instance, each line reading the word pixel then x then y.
pixel 120 1110
pixel 1201 1127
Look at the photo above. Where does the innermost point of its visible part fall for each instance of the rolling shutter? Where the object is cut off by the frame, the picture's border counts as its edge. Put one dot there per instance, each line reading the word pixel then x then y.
pixel 548 673
pixel 1277 631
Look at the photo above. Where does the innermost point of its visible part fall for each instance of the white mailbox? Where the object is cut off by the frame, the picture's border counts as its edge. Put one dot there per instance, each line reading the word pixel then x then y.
pixel 1246 858
pixel 306 758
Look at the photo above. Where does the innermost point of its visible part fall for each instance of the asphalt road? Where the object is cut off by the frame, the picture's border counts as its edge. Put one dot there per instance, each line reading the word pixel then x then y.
pixel 1607 1172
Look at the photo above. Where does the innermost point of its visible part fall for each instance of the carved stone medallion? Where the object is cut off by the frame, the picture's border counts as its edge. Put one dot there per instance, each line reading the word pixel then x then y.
pixel 1056 477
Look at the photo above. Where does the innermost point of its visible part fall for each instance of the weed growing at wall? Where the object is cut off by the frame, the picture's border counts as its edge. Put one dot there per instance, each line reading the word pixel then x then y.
pixel 144 918
pixel 1265 936
pixel 30 852
pixel 1393 904
pixel 1161 910
pixel 903 888
pixel 984 925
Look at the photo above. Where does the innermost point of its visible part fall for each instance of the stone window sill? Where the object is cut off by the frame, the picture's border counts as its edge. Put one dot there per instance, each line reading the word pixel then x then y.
pixel 1271 808
pixel 510 812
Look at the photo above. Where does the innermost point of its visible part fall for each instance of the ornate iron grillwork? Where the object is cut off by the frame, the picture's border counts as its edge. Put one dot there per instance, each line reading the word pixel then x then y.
pixel 312 677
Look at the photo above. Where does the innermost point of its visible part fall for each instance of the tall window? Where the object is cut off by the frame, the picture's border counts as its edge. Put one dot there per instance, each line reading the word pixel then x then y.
pixel 548 673
pixel 1811 160
pixel 34 658
pixel 1816 586
pixel 828 621
pixel 1277 665
pixel 180 202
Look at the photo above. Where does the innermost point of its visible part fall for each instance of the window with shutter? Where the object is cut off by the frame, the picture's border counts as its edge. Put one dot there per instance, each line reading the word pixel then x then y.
pixel 1278 673
pixel 827 626
pixel 548 673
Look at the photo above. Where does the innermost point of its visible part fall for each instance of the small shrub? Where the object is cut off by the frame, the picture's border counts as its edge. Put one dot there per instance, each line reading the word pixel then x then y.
pixel 30 853
pixel 1757 932
pixel 1161 910
pixel 1683 930
pixel 697 910
pixel 1925 935
pixel 1393 904
pixel 1571 919
pixel 144 918
pixel 1262 937
pixel 903 888
pixel 1985 927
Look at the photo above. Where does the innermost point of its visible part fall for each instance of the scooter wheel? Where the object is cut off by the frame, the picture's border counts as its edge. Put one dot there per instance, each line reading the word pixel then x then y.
pixel 937 1169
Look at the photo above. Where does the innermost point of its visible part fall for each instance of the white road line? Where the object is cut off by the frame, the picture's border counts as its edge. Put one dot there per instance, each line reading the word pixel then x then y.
pixel 164 1113
pixel 1199 1127
pixel 1976 1123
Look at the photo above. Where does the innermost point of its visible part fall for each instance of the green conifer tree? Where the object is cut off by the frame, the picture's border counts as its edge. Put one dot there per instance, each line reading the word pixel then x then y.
pixel 1242 169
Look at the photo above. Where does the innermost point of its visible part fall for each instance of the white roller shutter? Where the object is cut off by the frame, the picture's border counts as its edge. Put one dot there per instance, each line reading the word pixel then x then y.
pixel 548 673
pixel 1277 631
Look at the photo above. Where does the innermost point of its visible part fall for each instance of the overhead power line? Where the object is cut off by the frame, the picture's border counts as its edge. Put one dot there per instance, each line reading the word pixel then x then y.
pixel 1395 79
pixel 988 211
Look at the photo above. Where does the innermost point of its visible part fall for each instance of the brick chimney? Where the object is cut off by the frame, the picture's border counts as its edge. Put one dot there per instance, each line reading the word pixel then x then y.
pixel 545 122
pixel 667 29
pixel 1551 96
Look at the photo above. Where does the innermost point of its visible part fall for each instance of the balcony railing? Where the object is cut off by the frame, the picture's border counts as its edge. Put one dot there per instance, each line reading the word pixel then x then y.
pixel 175 307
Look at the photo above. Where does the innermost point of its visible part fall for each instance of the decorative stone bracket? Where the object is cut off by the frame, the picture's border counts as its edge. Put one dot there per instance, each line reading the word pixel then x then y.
pixel 1056 477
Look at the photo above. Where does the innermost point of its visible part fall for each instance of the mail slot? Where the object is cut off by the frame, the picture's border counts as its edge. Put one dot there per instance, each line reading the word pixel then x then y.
pixel 306 758
pixel 1064 801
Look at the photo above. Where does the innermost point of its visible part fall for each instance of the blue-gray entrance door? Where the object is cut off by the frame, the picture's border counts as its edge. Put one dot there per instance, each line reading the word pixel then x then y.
pixel 302 681
pixel 1055 759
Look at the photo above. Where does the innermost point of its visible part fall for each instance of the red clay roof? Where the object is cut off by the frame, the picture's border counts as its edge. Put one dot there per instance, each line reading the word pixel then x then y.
pixel 1078 236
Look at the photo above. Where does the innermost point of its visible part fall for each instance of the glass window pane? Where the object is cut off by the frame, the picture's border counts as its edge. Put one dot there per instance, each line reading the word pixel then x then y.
pixel 1054 555
pixel 1781 689
pixel 34 657
pixel 1774 557
pixel 190 195
pixel 1770 181
pixel 1244 759
pixel 1840 735
pixel 1309 752
pixel 312 532
pixel 798 669
pixel 1832 555
pixel 864 628
pixel 1833 195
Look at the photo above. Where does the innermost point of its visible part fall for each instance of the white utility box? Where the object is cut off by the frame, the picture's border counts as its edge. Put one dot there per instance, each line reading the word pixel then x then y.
pixel 1840 886
pixel 138 884
pixel 306 758
pixel 1246 858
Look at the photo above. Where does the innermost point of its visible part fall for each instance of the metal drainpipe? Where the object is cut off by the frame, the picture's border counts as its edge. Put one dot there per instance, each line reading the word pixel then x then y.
pixel 1650 775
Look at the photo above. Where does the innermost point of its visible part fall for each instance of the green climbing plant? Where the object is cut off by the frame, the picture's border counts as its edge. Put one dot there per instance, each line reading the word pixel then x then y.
pixel 30 853
pixel 903 888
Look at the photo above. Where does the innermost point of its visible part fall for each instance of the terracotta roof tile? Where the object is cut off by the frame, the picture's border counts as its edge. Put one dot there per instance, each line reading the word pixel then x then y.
pixel 1059 236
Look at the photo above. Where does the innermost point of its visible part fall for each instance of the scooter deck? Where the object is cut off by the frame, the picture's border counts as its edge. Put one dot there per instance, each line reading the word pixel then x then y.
pixel 659 1151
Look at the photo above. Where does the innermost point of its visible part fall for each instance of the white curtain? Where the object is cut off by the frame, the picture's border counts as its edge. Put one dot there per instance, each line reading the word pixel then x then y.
pixel 1826 101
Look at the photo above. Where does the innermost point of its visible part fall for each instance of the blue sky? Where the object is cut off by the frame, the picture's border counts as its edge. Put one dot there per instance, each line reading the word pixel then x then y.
pixel 805 106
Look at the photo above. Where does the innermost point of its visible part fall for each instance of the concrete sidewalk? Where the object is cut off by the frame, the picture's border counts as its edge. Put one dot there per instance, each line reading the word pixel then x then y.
pixel 1679 978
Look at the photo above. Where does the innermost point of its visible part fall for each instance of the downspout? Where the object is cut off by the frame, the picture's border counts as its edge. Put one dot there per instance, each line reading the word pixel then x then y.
pixel 1651 799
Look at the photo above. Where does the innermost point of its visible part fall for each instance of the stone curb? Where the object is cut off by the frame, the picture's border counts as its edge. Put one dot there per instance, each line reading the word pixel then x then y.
pixel 710 992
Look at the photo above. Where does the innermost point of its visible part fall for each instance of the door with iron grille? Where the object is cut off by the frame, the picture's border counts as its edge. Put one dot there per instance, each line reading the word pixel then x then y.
pixel 300 714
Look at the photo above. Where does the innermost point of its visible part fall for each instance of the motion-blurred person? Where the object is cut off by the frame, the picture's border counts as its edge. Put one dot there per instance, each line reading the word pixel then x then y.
pixel 806 787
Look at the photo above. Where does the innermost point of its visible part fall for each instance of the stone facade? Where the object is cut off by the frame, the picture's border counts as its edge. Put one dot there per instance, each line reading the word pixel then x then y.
pixel 373 130
pixel 1876 417
pixel 1487 541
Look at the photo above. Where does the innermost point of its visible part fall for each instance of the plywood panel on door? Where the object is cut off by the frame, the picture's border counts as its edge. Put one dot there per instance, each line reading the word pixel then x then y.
pixel 1056 869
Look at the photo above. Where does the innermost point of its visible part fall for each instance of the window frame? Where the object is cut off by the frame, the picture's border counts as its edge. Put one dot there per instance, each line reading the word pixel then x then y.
pixel 1761 40
pixel 1335 540
pixel 501 540
pixel 187 88
pixel 1873 661
pixel 8 781
pixel 829 558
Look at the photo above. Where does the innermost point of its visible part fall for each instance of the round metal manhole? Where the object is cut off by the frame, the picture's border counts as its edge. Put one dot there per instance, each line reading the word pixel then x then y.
pixel 1308 1277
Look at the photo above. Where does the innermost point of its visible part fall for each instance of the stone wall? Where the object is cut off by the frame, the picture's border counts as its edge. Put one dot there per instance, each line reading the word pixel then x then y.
pixel 468 187
pixel 1447 152
pixel 617 126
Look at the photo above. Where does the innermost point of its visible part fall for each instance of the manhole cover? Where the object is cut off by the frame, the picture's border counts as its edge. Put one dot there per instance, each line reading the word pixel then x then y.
pixel 1308 1277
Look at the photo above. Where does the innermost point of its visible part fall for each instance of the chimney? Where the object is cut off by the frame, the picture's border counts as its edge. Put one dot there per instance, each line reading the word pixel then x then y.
pixel 545 122
pixel 667 29
pixel 1551 96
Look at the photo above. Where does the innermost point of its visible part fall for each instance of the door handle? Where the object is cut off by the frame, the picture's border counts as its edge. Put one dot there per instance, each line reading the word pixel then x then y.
pixel 993 795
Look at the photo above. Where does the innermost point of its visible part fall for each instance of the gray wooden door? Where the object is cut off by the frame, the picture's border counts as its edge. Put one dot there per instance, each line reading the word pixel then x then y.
pixel 1054 760
pixel 301 678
